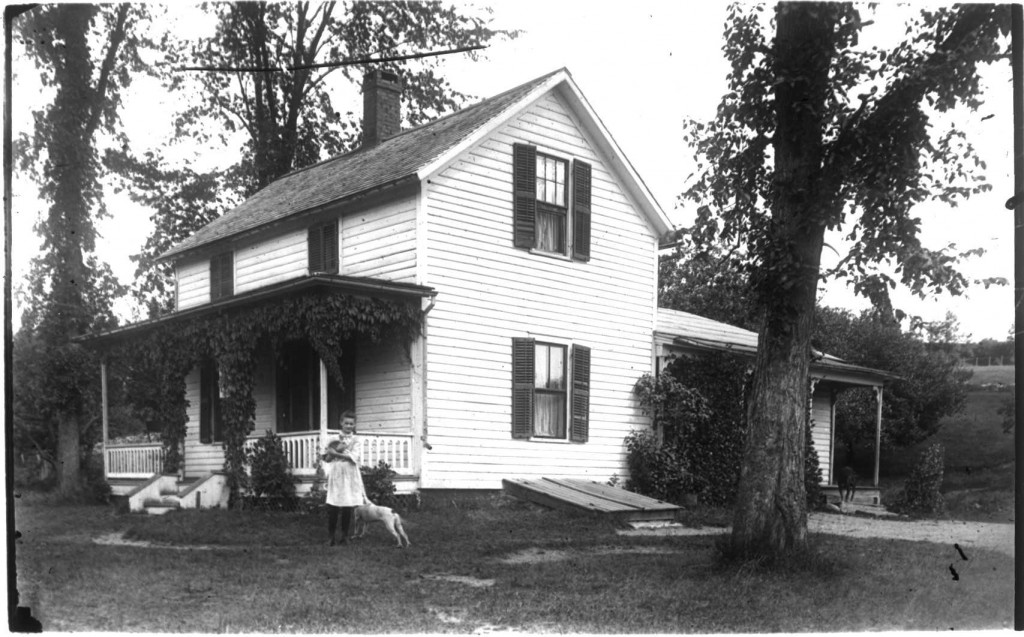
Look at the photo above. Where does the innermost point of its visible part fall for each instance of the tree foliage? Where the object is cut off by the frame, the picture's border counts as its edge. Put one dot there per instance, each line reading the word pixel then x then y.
pixel 816 133
pixel 285 119
pixel 930 383
pixel 69 291
pixel 709 281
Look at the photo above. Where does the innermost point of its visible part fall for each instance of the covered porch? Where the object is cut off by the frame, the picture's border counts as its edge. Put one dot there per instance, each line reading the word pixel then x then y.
pixel 684 334
pixel 295 393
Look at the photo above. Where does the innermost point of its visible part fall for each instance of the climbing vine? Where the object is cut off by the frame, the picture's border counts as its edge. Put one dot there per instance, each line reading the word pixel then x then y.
pixel 232 338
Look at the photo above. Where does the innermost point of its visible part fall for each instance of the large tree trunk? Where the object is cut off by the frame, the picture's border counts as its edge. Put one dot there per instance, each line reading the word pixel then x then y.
pixel 771 508
pixel 68 456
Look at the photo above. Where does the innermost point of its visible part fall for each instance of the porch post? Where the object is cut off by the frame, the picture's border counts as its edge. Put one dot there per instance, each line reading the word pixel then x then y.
pixel 833 398
pixel 105 412
pixel 878 430
pixel 323 406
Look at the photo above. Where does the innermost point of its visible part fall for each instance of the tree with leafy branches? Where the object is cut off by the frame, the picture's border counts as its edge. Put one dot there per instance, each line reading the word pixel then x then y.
pixel 70 290
pixel 265 79
pixel 929 383
pixel 814 133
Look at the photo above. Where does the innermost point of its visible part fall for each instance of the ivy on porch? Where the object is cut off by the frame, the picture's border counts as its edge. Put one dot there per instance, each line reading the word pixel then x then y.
pixel 159 355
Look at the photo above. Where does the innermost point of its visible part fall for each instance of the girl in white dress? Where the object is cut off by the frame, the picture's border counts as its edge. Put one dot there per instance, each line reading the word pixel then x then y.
pixel 345 489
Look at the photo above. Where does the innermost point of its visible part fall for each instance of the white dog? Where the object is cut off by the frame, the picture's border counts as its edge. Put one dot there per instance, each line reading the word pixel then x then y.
pixel 370 512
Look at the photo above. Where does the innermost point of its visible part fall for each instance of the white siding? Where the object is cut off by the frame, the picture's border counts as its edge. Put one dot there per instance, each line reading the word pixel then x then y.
pixel 200 459
pixel 490 292
pixel 821 430
pixel 381 242
pixel 383 389
pixel 193 283
pixel 271 261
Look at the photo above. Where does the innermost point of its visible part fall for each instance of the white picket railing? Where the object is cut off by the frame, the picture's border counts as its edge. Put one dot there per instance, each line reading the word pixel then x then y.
pixel 303 448
pixel 142 460
pixel 139 460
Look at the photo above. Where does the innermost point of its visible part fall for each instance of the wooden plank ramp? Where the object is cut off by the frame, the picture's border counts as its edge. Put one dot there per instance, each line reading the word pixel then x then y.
pixel 568 494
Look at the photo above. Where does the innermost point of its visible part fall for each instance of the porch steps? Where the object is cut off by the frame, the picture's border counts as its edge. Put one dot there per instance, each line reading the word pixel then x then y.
pixel 593 497
pixel 870 496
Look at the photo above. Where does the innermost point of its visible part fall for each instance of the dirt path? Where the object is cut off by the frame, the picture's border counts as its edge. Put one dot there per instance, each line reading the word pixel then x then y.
pixel 986 535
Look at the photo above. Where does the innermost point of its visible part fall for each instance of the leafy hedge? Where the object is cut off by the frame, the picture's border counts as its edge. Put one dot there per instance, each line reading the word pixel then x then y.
pixel 698 406
pixel 922 491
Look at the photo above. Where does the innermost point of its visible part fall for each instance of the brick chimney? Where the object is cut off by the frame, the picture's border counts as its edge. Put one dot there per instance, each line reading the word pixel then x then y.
pixel 382 106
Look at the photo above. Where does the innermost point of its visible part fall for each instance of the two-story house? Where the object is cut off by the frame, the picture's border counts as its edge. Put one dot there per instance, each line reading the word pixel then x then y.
pixel 525 244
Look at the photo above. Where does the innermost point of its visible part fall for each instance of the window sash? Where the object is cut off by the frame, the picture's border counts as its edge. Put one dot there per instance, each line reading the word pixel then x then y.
pixel 550 404
pixel 551 180
pixel 550 229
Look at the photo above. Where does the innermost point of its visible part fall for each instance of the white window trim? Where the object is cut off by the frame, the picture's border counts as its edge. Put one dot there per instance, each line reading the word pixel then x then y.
pixel 569 203
pixel 543 339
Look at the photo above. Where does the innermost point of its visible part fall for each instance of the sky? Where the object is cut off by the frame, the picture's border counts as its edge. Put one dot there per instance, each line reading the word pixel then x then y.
pixel 645 67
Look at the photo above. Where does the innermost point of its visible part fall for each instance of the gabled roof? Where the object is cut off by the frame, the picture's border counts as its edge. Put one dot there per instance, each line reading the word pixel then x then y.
pixel 413 154
pixel 692 332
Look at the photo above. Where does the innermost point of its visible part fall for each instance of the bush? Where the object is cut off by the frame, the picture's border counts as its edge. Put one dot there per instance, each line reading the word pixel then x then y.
pixel 378 483
pixel 921 493
pixel 270 472
pixel 812 473
pixel 95 483
pixel 655 470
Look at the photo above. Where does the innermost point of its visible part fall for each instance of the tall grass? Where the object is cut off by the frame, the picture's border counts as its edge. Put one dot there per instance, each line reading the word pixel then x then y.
pixel 271 572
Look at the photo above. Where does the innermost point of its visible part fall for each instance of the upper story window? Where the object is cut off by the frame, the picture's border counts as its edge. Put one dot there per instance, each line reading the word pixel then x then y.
pixel 222 276
pixel 323 248
pixel 552 204
pixel 545 218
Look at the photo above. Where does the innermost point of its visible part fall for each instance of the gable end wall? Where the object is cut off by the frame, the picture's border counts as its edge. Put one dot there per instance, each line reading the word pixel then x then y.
pixel 490 292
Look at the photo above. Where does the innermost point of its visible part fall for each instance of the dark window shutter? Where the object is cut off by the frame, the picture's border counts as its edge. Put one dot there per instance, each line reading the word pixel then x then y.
pixel 579 430
pixel 221 276
pixel 227 275
pixel 330 233
pixel 581 210
pixel 522 387
pixel 323 248
pixel 215 266
pixel 524 194
pixel 316 250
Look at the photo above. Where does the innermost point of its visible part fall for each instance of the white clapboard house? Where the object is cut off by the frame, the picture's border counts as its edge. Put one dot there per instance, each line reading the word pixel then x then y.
pixel 522 236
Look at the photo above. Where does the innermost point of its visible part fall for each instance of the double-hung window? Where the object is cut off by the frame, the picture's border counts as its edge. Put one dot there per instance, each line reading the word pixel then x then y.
pixel 550 390
pixel 211 426
pixel 551 203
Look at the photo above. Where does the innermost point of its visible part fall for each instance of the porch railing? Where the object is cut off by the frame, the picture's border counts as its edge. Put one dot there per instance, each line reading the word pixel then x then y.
pixel 139 460
pixel 303 448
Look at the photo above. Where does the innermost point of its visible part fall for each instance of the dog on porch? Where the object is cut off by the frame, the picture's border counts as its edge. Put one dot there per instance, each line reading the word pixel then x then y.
pixel 847 484
pixel 370 512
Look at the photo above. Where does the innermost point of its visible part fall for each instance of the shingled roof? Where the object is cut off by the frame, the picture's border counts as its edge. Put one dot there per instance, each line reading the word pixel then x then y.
pixel 360 171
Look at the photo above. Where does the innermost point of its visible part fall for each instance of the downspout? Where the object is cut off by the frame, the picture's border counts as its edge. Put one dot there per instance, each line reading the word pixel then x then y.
pixel 423 371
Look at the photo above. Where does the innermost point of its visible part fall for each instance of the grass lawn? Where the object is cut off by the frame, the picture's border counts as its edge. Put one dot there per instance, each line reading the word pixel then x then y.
pixel 271 572
pixel 979 478
pixel 993 374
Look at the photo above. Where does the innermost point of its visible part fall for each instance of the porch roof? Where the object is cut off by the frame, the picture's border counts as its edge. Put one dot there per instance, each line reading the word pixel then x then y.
pixel 687 331
pixel 359 286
